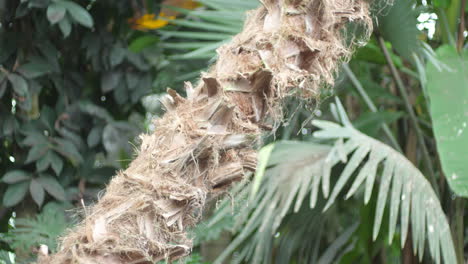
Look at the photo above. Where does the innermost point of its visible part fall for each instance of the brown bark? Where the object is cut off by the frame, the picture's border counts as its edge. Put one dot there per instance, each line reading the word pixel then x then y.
pixel 408 256
pixel 207 140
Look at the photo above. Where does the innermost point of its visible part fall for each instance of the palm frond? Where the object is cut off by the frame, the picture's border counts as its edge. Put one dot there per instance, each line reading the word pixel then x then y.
pixel 295 170
pixel 43 229
pixel 284 177
pixel 212 26
pixel 409 189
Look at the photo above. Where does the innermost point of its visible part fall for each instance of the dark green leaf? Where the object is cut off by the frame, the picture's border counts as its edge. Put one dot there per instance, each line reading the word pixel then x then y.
pixel 52 186
pixel 117 55
pixel 15 176
pixel 34 69
pixel 48 117
pixel 37 3
pixel 448 93
pixel 78 13
pixel 43 163
pixel 19 84
pixel 15 193
pixel 138 60
pixel 21 10
pixel 51 55
pixel 36 152
pixel 69 150
pixel 65 27
pixel 143 42
pixel 37 192
pixel 121 93
pixel 55 13
pixel 109 81
pixel 72 136
pixel 143 88
pixel 56 162
pixel 33 138
pixel 398 25
pixel 94 110
pixel 94 136
pixel 132 80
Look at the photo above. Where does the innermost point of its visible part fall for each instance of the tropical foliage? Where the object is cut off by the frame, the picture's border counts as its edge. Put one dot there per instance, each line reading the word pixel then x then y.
pixel 78 79
pixel 403 75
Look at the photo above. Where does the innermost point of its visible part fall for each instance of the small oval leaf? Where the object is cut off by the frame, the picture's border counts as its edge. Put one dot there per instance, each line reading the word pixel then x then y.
pixel 65 27
pixel 19 84
pixel 52 186
pixel 78 13
pixel 55 13
pixel 15 176
pixel 15 193
pixel 37 192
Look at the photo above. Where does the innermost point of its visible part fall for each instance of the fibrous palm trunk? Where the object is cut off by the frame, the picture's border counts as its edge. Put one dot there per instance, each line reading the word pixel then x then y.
pixel 206 141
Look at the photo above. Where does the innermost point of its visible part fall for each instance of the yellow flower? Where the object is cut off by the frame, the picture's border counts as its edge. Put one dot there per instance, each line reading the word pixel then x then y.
pixel 148 21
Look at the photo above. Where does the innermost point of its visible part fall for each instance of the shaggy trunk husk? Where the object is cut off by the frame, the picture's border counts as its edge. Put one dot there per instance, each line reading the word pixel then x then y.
pixel 206 141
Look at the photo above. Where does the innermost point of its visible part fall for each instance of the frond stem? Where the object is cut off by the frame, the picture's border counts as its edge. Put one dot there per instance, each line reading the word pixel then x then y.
pixel 370 104
pixel 413 118
pixel 458 228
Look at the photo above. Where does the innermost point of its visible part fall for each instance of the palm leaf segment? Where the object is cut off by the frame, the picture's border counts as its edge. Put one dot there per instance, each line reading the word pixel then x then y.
pixel 407 187
pixel 282 182
pixel 210 27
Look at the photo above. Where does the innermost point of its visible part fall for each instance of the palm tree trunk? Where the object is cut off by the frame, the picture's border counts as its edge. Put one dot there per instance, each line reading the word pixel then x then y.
pixel 207 140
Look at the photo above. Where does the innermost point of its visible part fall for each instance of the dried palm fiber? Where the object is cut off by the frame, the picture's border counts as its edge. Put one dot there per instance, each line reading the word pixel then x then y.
pixel 205 141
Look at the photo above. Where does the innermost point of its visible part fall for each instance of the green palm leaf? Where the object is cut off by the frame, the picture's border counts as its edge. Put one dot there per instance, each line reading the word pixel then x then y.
pixel 407 186
pixel 213 26
pixel 286 181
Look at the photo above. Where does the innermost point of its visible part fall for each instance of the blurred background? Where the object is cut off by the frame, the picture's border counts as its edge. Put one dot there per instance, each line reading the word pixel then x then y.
pixel 81 79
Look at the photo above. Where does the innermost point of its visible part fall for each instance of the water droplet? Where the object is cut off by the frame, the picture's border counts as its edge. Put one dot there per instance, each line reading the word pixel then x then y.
pixel 304 131
pixel 318 113
pixel 103 98
pixel 403 197
pixel 277 234
pixel 459 132
pixel 454 176
pixel 12 159
pixel 464 124
pixel 431 228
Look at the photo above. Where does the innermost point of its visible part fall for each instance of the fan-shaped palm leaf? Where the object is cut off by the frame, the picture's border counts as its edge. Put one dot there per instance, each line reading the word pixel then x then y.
pixel 288 178
pixel 409 189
